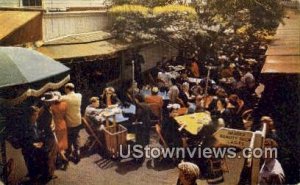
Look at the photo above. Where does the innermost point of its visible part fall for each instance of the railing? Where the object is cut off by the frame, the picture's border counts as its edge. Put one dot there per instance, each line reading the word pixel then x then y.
pixel 61 24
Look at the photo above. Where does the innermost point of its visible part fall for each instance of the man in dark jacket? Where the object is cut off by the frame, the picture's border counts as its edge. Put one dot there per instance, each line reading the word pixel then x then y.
pixel 35 147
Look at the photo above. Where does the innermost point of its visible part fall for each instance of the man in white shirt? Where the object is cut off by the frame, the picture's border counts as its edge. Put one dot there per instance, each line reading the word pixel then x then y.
pixel 92 112
pixel 73 119
pixel 271 171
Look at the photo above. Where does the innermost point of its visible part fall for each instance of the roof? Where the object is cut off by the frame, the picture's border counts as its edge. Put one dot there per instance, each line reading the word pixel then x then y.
pixel 283 54
pixel 101 48
pixel 84 45
pixel 282 64
pixel 80 38
pixel 12 20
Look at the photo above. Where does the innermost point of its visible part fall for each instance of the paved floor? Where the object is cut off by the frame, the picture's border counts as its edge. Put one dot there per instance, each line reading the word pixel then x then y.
pixel 95 170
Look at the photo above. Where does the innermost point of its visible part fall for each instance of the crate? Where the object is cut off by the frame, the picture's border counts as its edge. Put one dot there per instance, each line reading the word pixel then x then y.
pixel 115 136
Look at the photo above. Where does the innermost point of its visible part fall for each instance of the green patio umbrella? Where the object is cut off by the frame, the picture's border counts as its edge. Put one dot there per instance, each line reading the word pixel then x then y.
pixel 22 66
pixel 28 73
pixel 25 72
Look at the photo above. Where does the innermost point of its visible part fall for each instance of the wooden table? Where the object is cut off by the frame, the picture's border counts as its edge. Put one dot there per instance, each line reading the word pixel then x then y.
pixel 193 123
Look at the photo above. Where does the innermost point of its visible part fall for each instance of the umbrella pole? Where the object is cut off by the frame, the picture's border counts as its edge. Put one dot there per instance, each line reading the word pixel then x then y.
pixel 4 159
pixel 206 86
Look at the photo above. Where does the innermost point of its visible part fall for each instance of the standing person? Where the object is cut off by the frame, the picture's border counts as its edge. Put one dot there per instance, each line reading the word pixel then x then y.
pixel 45 121
pixel 59 116
pixel 271 171
pixel 138 61
pixel 73 120
pixel 143 117
pixel 33 145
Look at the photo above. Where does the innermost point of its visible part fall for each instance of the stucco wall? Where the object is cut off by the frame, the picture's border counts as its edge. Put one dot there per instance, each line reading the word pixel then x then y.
pixel 57 3
pixel 60 24
pixel 9 3
pixel 72 3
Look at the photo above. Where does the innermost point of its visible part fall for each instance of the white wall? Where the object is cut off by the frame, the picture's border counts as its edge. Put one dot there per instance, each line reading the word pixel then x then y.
pixel 72 3
pixel 58 3
pixel 9 3
pixel 60 24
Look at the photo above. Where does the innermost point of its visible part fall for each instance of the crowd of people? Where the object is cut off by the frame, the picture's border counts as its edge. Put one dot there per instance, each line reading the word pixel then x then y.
pixel 228 90
pixel 50 134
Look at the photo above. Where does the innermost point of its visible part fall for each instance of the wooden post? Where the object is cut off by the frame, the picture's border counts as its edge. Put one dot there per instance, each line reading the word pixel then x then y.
pixel 258 143
pixel 207 80
pixel 249 160
pixel 122 66
pixel 133 81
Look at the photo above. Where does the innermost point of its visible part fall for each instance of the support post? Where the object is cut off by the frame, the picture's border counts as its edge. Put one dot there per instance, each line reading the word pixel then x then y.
pixel 258 143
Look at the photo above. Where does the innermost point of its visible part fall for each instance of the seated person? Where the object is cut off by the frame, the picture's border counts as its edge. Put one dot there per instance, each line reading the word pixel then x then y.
pixel 156 104
pixel 199 103
pixel 224 112
pixel 169 127
pixel 92 112
pixel 109 97
pixel 235 106
pixel 194 68
pixel 237 102
pixel 174 93
pixel 197 89
pixel 187 97
pixel 163 81
pixel 155 101
pixel 183 77
pixel 187 92
pixel 132 91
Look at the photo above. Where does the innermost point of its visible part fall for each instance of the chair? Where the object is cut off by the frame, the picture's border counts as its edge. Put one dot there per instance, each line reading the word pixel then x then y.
pixel 91 132
pixel 157 111
pixel 217 167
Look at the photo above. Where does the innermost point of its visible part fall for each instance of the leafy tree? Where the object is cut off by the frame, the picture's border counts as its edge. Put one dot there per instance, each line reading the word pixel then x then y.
pixel 173 24
pixel 149 3
pixel 201 25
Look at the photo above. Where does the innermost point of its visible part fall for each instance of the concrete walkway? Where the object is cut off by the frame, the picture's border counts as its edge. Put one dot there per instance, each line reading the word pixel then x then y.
pixel 95 170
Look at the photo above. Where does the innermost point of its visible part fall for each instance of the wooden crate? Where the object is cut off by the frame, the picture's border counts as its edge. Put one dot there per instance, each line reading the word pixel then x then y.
pixel 115 136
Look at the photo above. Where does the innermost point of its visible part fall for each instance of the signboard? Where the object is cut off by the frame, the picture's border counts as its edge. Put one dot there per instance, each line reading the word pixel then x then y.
pixel 233 137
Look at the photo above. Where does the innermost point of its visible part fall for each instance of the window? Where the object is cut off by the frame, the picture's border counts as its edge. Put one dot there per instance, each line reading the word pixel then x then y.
pixel 32 2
